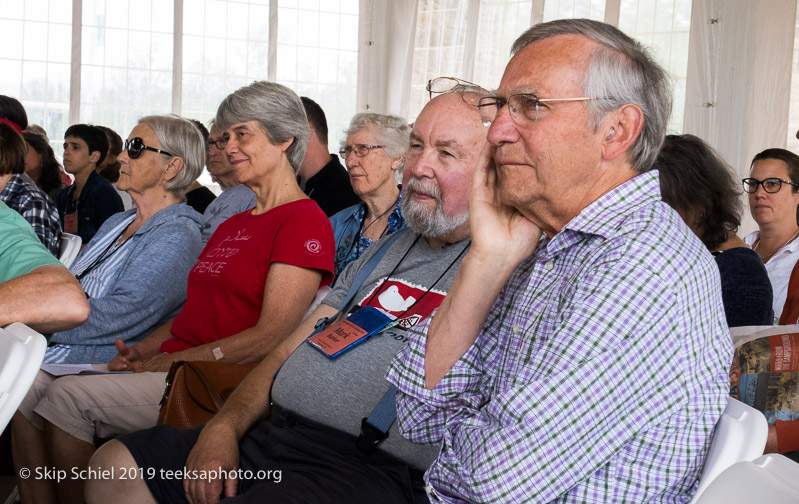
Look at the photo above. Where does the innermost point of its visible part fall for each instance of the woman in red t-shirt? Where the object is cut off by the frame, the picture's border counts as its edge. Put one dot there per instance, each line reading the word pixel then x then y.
pixel 260 270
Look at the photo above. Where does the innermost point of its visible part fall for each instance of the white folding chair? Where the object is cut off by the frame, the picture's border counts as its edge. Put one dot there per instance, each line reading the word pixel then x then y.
pixel 771 478
pixel 740 436
pixel 68 248
pixel 21 355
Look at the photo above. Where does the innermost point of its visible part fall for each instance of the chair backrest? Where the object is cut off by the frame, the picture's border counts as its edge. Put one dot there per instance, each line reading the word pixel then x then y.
pixel 771 478
pixel 68 248
pixel 21 355
pixel 740 435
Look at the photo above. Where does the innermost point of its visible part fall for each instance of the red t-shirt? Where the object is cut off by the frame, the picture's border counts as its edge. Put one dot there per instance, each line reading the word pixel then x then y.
pixel 226 286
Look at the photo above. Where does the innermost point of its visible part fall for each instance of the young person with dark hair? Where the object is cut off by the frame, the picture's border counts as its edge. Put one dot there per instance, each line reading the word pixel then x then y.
pixel 86 204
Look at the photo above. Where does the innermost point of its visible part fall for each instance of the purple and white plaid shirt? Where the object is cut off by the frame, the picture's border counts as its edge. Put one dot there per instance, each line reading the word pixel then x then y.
pixel 597 377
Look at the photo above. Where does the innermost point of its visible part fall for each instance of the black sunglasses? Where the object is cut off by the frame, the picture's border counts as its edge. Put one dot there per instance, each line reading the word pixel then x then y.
pixel 135 146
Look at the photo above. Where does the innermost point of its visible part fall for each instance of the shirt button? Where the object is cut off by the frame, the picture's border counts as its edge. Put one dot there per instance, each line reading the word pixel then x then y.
pixel 549 265
pixel 429 489
pixel 516 329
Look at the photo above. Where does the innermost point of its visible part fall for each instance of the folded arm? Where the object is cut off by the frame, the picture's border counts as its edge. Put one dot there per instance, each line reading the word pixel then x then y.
pixel 288 292
pixel 47 299
pixel 149 288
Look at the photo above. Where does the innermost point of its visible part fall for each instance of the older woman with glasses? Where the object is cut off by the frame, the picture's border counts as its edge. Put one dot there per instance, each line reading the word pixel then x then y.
pixel 375 154
pixel 698 184
pixel 249 289
pixel 773 188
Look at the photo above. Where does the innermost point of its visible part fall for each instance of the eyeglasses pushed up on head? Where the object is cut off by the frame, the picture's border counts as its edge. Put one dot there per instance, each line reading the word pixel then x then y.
pixel 470 92
pixel 135 146
pixel 771 185
pixel 360 150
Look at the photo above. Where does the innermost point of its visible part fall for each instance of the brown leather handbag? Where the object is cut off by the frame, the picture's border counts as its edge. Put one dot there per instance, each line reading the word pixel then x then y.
pixel 196 390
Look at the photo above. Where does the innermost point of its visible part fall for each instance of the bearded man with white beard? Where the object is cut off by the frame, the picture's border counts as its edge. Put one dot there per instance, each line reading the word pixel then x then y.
pixel 312 437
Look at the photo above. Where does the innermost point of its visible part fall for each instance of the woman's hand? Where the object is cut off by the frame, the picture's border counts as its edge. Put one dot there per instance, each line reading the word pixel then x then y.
pixel 127 357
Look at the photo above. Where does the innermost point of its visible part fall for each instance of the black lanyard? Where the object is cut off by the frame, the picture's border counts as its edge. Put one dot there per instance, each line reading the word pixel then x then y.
pixel 100 259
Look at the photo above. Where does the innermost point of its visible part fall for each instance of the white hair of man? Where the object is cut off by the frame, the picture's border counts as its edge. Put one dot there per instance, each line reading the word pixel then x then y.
pixel 621 71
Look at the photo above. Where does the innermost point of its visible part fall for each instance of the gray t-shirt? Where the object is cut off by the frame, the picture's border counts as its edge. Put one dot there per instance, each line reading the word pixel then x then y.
pixel 340 392
pixel 232 201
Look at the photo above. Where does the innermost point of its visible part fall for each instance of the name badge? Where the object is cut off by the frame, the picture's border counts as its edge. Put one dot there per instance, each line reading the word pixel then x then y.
pixel 345 334
pixel 71 223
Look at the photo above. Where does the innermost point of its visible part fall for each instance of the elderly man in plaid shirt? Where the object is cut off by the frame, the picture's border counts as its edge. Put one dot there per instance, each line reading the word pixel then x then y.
pixel 582 353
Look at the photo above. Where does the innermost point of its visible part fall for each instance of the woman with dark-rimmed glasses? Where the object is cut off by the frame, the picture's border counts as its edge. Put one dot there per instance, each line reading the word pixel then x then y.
pixel 773 189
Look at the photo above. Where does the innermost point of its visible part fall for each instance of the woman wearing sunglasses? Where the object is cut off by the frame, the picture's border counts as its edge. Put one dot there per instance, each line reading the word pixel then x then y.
pixel 134 269
pixel 248 290
pixel 773 189
pixel 374 152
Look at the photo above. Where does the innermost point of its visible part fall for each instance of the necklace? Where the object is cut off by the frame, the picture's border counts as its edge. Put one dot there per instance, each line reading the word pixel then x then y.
pixel 767 257
pixel 390 208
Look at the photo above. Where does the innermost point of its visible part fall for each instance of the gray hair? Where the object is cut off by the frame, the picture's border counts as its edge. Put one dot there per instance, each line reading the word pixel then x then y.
pixel 392 131
pixel 621 71
pixel 277 110
pixel 179 137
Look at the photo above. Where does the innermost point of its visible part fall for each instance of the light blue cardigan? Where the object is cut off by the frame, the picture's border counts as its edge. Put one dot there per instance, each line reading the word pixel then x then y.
pixel 148 289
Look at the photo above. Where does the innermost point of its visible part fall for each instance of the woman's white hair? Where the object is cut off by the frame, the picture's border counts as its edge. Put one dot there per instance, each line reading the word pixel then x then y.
pixel 179 137
pixel 393 132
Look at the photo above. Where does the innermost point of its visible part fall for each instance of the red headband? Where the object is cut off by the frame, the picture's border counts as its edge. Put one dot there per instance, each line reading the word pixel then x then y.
pixel 12 124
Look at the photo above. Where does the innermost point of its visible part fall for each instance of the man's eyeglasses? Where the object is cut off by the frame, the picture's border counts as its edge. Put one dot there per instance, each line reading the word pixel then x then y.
pixel 219 144
pixel 359 150
pixel 770 185
pixel 523 107
pixel 135 146
pixel 470 92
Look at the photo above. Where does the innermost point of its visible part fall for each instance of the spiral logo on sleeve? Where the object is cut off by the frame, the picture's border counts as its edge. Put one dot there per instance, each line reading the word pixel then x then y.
pixel 313 246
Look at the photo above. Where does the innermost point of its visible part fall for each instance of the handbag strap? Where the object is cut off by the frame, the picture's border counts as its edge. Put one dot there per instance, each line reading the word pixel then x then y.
pixel 208 385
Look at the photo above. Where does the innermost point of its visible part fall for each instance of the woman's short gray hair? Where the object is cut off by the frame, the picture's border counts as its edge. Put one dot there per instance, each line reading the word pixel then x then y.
pixel 393 132
pixel 179 137
pixel 621 71
pixel 277 110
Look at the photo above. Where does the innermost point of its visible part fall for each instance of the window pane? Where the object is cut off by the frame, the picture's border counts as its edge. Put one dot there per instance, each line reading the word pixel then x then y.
pixel 566 9
pixel 220 53
pixel 438 49
pixel 317 57
pixel 127 70
pixel 501 22
pixel 663 26
pixel 34 64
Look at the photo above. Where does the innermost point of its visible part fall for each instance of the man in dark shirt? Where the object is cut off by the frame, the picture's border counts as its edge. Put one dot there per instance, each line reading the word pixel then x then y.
pixel 322 176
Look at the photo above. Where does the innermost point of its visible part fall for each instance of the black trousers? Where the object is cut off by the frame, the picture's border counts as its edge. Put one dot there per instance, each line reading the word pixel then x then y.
pixel 285 459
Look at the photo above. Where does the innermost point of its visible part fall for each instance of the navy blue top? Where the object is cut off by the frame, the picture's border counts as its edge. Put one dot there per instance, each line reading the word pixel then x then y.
pixel 745 287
